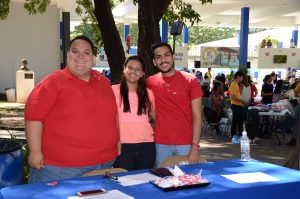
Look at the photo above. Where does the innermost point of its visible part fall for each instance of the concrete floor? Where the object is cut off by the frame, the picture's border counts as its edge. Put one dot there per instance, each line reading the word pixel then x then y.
pixel 213 147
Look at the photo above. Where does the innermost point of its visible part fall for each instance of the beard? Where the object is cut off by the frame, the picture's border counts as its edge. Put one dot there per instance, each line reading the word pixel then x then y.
pixel 168 70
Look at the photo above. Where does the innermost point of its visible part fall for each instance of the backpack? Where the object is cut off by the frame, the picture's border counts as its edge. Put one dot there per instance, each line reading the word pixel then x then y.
pixel 252 123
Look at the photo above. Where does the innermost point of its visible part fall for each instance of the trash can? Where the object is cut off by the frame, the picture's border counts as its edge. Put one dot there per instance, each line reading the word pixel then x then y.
pixel 10 94
pixel 11 162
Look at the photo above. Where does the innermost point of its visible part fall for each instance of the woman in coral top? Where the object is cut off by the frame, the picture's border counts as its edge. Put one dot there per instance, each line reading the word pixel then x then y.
pixel 135 102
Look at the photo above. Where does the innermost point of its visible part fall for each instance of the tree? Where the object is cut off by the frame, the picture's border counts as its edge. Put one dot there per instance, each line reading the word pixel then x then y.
pixel 150 12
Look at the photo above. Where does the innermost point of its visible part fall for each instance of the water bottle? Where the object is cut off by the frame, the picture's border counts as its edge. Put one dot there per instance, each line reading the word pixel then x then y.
pixel 245 147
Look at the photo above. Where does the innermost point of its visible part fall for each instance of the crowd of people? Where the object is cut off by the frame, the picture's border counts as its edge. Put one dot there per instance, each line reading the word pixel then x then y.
pixel 77 122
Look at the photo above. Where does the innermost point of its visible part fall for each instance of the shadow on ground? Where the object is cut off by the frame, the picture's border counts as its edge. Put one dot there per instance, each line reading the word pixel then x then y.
pixel 219 147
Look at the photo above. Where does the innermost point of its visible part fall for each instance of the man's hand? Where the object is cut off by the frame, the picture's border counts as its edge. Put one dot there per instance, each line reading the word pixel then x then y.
pixel 119 148
pixel 194 155
pixel 36 160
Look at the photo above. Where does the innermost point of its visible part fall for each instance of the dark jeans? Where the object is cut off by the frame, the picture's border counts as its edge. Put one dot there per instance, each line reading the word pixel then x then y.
pixel 245 111
pixel 136 156
pixel 237 119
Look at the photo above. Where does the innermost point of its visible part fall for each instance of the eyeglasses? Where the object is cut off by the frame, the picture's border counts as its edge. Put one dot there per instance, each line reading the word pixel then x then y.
pixel 110 177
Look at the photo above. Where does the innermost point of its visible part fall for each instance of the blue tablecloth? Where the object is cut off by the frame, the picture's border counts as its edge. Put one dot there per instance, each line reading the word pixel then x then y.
pixel 288 185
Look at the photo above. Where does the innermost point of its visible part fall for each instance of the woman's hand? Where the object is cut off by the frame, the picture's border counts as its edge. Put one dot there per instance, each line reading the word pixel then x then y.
pixel 36 160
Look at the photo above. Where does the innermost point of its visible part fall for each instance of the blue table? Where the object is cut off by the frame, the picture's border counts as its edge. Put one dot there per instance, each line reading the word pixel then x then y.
pixel 287 187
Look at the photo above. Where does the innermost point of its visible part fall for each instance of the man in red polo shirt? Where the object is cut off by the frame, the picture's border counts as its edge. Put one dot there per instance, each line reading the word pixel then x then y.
pixel 71 119
pixel 178 99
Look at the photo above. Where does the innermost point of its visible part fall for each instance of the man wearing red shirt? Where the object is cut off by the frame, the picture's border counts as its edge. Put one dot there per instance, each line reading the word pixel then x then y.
pixel 178 99
pixel 71 119
pixel 128 43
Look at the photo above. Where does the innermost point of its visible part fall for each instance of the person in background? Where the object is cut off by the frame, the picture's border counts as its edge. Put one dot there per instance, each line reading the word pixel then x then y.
pixel 245 89
pixel 267 90
pixel 216 99
pixel 178 101
pixel 237 104
pixel 199 76
pixel 297 89
pixel 128 43
pixel 71 119
pixel 134 103
pixel 229 77
pixel 208 74
pixel 269 44
pixel 263 43
pixel 278 91
pixel 267 98
pixel 288 73
pixel 292 44
pixel 274 78
pixel 254 90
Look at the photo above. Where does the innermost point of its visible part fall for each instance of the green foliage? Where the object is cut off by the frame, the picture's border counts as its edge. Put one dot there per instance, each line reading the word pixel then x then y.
pixel 26 167
pixel 275 42
pixel 180 10
pixel 36 6
pixel 91 31
pixel 4 9
pixel 89 26
pixel 199 34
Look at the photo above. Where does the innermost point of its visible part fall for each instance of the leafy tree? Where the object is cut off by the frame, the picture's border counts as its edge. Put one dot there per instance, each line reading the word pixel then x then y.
pixel 149 16
pixel 90 31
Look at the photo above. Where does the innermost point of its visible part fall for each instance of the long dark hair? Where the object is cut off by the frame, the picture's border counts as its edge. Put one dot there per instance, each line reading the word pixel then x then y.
pixel 279 87
pixel 141 91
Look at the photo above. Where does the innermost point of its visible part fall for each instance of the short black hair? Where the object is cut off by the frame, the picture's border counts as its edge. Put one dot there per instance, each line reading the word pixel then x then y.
pixel 160 44
pixel 85 38
pixel 239 73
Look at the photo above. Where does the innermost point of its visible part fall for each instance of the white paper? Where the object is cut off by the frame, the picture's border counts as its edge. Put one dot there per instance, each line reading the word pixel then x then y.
pixel 109 195
pixel 250 177
pixel 176 171
pixel 136 179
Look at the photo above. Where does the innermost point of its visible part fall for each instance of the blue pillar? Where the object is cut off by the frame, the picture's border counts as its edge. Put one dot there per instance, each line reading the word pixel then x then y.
pixel 126 31
pixel 295 37
pixel 239 37
pixel 164 31
pixel 244 30
pixel 280 44
pixel 185 36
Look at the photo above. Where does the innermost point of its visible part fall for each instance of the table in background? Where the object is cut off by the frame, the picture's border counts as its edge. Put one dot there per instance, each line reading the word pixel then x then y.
pixel 220 187
pixel 275 115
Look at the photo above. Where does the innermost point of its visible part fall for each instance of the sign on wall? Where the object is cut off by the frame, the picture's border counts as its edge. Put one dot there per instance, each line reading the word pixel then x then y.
pixel 181 56
pixel 278 57
pixel 220 56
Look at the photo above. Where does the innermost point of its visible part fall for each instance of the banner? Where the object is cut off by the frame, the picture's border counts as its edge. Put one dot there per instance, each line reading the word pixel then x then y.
pixel 220 56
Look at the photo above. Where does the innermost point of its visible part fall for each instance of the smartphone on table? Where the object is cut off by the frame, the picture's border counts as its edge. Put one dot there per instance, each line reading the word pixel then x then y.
pixel 91 192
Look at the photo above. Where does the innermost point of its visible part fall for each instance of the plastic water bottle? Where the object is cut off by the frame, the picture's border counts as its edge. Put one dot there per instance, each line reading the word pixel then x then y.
pixel 245 147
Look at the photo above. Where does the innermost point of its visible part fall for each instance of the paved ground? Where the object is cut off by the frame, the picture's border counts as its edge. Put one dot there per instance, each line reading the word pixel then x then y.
pixel 213 148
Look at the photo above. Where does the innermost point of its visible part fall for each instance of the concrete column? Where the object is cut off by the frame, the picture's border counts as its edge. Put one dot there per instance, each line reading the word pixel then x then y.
pixel 126 31
pixel 295 37
pixel 66 36
pixel 185 36
pixel 164 31
pixel 244 30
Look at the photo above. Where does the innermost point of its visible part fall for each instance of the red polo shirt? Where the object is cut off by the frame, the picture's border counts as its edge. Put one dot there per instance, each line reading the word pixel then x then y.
pixel 79 119
pixel 173 98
